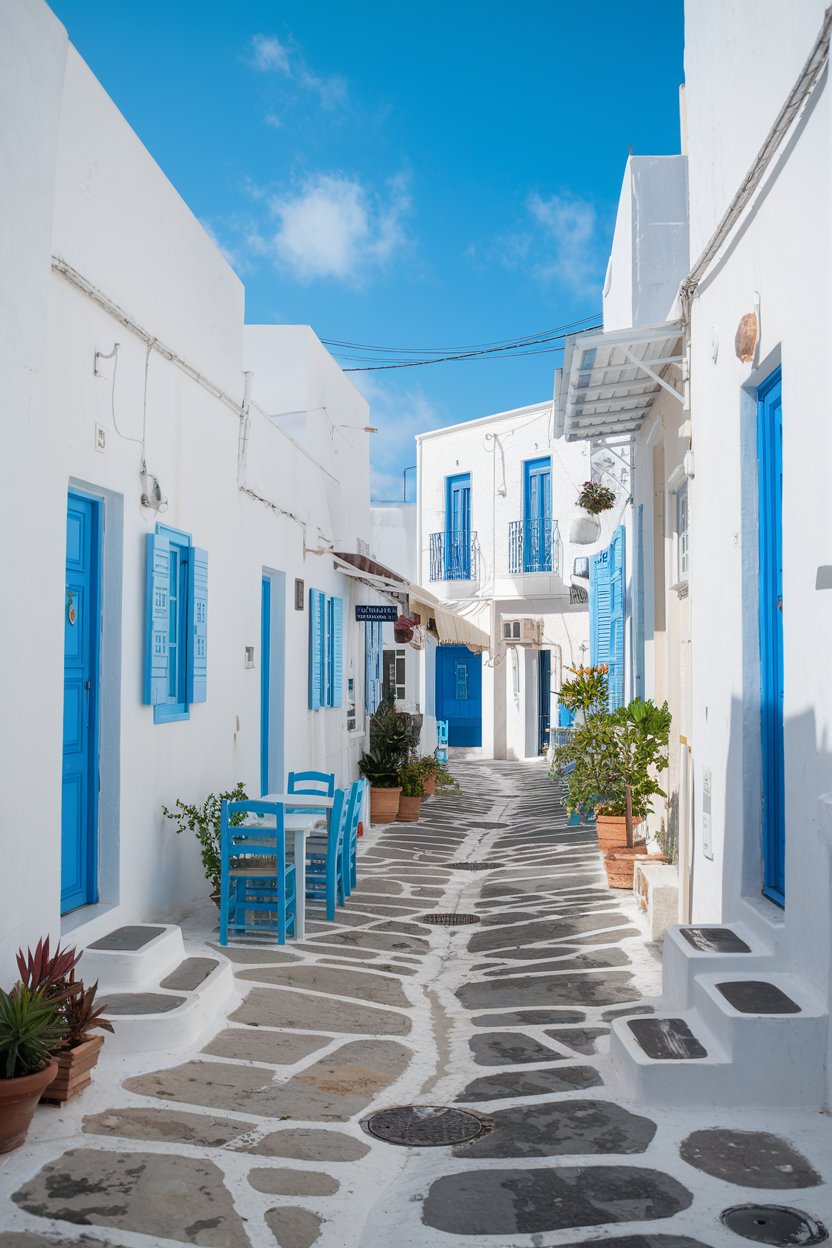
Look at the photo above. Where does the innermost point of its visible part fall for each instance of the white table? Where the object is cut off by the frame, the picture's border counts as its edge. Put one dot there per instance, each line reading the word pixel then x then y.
pixel 300 825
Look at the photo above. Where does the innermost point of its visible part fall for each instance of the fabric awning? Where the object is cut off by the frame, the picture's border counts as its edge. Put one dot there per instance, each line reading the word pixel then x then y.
pixel 451 628
pixel 610 381
pixel 366 570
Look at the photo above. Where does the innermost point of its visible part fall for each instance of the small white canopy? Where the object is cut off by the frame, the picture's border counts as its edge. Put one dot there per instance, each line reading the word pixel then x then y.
pixel 451 627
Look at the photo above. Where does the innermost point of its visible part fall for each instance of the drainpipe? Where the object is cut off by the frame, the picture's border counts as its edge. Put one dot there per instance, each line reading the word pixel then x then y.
pixel 245 425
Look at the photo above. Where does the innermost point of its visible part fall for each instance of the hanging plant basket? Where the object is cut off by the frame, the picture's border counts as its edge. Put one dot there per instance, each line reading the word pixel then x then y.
pixel 595 498
pixel 584 530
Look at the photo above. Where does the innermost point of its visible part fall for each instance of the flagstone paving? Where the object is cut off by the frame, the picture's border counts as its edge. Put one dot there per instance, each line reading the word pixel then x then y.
pixel 257 1135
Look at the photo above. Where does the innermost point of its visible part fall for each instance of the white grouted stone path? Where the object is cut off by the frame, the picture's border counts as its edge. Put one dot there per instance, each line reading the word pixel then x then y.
pixel 257 1137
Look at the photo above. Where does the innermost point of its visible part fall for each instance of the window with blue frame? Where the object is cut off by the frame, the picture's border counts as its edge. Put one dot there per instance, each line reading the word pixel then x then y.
pixel 326 650
pixel 176 629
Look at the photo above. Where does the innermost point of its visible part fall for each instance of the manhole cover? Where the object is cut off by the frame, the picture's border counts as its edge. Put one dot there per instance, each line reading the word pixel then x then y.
pixel 424 1126
pixel 774 1224
pixel 475 866
pixel 449 920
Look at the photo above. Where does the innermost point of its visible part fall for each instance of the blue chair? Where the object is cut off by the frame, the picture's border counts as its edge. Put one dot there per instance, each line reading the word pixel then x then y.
pixel 312 783
pixel 325 858
pixel 442 741
pixel 355 807
pixel 255 878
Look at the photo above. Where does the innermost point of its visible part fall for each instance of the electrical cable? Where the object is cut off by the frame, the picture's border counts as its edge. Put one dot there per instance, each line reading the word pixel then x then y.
pixel 497 342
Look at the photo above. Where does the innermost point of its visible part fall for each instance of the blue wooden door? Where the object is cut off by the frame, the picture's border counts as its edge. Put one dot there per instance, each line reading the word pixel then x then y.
pixel 544 699
pixel 617 615
pixel 537 515
pixel 458 528
pixel 265 681
pixel 82 622
pixel 770 527
pixel 459 694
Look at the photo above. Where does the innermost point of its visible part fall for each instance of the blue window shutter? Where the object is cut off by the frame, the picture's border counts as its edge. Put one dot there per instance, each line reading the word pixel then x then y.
pixel 156 653
pixel 617 602
pixel 317 612
pixel 336 647
pixel 197 683
pixel 599 608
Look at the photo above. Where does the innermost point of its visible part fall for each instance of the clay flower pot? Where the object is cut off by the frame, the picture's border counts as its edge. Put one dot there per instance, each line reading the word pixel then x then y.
pixel 75 1067
pixel 612 832
pixel 384 805
pixel 409 808
pixel 430 786
pixel 620 864
pixel 18 1101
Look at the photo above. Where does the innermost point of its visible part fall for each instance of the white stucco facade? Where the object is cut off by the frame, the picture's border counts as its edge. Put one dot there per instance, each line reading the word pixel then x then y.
pixel 98 249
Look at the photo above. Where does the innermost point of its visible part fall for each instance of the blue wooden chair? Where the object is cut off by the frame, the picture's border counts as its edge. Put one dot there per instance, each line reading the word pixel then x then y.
pixel 355 807
pixel 255 878
pixel 312 783
pixel 325 858
pixel 442 741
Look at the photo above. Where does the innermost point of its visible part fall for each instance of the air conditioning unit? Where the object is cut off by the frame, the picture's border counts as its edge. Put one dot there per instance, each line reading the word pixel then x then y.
pixel 522 631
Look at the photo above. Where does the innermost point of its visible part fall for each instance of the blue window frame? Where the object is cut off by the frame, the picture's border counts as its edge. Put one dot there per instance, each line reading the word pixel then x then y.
pixel 326 650
pixel 537 515
pixel 458 527
pixel 176 632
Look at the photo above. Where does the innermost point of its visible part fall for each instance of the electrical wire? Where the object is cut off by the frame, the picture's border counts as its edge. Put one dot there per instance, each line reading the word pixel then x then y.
pixel 471 346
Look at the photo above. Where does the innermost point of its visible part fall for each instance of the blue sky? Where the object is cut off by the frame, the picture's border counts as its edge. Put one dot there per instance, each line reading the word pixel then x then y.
pixel 400 174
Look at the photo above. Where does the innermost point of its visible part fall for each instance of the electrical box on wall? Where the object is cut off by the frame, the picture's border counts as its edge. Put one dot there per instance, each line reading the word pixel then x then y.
pixel 522 631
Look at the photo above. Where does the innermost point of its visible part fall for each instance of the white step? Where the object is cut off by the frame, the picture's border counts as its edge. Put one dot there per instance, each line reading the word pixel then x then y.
pixel 680 1081
pixel 156 949
pixel 683 961
pixel 193 1012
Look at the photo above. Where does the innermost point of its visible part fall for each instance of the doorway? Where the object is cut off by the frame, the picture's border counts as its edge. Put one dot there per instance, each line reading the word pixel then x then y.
pixel 272 680
pixel 459 694
pixel 82 642
pixel 544 699
pixel 770 527
pixel 537 515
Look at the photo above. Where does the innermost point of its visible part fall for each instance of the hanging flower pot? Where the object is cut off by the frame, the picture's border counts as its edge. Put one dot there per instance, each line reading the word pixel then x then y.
pixel 584 530
pixel 595 498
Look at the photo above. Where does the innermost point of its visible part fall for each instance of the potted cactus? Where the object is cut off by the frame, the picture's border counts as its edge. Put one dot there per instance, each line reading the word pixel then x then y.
pixel 31 1028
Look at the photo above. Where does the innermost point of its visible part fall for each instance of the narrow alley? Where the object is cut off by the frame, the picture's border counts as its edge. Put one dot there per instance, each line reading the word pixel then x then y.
pixel 266 1133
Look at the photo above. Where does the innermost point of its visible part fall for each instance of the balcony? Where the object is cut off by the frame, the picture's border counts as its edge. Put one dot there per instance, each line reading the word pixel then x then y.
pixel 453 556
pixel 534 546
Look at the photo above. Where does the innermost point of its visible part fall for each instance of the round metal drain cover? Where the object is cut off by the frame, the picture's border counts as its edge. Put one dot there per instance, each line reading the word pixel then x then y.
pixel 475 866
pixel 773 1224
pixel 449 920
pixel 424 1126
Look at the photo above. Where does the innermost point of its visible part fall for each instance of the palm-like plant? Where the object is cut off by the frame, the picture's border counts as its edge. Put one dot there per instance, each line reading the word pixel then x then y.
pixel 31 1029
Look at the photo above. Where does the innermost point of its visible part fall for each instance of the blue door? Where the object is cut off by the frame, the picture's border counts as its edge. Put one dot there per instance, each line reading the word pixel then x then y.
pixel 265 681
pixel 770 525
pixel 458 528
pixel 82 624
pixel 537 515
pixel 617 613
pixel 459 694
pixel 544 699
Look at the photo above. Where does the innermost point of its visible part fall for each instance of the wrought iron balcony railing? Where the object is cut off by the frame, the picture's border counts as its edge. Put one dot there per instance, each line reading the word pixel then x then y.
pixel 453 556
pixel 534 546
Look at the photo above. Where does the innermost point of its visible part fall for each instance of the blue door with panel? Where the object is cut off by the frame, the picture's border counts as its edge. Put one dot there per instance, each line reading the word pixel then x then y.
pixel 537 515
pixel 265 680
pixel 82 624
pixel 544 700
pixel 459 694
pixel 458 528
pixel 770 527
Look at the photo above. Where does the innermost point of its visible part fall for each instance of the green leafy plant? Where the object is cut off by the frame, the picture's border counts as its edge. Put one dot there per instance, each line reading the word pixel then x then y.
pixel 595 497
pixel 411 778
pixel 31 1030
pixel 380 770
pixel 204 822
pixel 444 779
pixel 394 736
pixel 617 758
pixel 587 692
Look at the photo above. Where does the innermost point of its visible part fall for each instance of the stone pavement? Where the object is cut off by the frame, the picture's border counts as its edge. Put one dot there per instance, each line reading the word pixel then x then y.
pixel 257 1138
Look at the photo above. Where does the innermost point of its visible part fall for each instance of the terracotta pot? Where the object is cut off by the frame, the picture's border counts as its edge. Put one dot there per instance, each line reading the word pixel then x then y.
pixel 18 1101
pixel 409 808
pixel 430 786
pixel 612 831
pixel 620 864
pixel 384 805
pixel 75 1067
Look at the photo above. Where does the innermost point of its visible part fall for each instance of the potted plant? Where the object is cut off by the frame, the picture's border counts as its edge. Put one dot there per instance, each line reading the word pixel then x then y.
pixel 444 779
pixel 595 498
pixel 411 775
pixel 31 1029
pixel 204 822
pixel 429 767
pixel 394 735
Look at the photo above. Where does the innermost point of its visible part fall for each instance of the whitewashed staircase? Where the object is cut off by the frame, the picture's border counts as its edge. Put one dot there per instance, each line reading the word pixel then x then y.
pixel 160 997
pixel 733 1028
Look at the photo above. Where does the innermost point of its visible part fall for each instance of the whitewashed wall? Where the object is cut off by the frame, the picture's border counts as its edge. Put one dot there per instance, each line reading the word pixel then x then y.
pixel 75 181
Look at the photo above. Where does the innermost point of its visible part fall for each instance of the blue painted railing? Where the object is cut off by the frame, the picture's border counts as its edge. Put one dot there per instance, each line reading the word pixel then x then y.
pixel 452 556
pixel 534 546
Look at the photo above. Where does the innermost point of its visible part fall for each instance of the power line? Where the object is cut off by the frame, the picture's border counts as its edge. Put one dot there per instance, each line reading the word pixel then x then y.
pixel 515 347
pixel 473 346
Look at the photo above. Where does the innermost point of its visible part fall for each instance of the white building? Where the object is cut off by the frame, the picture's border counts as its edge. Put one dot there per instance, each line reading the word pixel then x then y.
pixel 191 618
pixel 495 498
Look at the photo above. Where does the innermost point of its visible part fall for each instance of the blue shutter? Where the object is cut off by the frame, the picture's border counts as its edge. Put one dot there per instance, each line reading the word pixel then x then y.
pixel 317 630
pixel 599 608
pixel 156 653
pixel 336 650
pixel 197 682
pixel 617 603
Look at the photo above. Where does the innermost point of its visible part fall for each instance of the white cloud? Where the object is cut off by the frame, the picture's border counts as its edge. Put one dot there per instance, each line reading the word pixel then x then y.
pixel 559 241
pixel 333 226
pixel 399 411
pixel 270 55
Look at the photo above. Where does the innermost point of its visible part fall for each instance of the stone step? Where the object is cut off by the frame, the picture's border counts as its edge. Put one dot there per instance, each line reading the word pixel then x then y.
pixel 772 1017
pixel 133 957
pixel 691 951
pixel 186 1003
pixel 189 974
